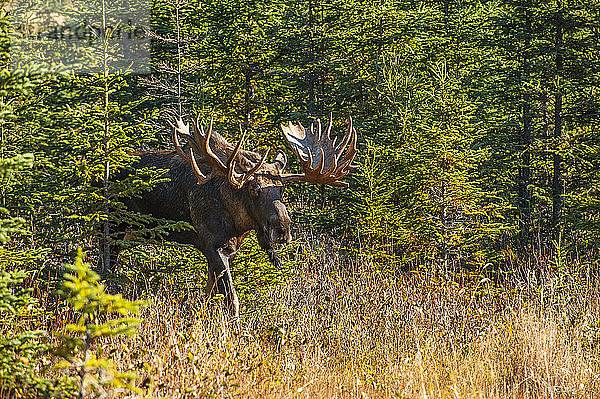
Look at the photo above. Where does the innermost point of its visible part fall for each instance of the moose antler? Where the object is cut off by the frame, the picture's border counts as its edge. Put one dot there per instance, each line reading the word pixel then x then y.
pixel 200 145
pixel 323 162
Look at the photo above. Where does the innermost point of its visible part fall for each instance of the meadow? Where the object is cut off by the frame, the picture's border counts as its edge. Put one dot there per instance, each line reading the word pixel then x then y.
pixel 339 326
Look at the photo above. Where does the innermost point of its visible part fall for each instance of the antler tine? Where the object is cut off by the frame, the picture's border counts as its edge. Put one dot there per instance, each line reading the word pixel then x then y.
pixel 238 180
pixel 200 126
pixel 317 133
pixel 247 175
pixel 199 144
pixel 235 152
pixel 344 142
pixel 321 164
pixel 329 124
pixel 184 131
pixel 207 150
pixel 198 134
pixel 210 126
pixel 202 178
pixel 345 163
pixel 231 175
pixel 178 147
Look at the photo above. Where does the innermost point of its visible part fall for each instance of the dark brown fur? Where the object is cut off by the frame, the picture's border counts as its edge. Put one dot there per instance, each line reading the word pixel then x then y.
pixel 220 214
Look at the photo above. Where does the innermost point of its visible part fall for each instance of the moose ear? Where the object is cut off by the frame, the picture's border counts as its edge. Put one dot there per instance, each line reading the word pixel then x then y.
pixel 280 160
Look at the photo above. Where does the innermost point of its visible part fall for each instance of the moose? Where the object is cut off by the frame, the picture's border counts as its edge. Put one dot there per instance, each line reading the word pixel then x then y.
pixel 224 192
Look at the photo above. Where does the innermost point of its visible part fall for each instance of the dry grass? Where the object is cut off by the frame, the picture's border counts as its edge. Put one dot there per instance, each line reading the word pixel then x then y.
pixel 335 331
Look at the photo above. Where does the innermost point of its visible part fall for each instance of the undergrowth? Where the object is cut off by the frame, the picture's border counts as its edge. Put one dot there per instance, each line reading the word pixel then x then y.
pixel 334 325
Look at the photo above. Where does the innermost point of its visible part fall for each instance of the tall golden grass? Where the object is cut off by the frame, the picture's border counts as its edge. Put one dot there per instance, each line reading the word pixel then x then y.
pixel 340 329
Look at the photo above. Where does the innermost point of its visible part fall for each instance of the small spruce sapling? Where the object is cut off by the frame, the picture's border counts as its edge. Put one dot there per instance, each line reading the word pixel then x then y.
pixel 19 350
pixel 22 351
pixel 94 307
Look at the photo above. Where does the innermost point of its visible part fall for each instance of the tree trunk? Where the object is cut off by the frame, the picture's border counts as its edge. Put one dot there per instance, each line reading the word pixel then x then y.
pixel 178 23
pixel 311 57
pixel 106 267
pixel 558 104
pixel 248 97
pixel 525 168
pixel 446 9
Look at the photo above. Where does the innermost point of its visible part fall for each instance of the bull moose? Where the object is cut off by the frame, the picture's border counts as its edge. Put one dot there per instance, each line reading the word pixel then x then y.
pixel 224 191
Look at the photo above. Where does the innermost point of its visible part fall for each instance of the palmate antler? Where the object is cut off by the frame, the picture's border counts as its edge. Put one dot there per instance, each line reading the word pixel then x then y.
pixel 323 162
pixel 200 145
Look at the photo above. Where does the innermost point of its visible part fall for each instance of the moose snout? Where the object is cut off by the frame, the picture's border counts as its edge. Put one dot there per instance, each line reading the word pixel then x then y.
pixel 279 225
pixel 280 234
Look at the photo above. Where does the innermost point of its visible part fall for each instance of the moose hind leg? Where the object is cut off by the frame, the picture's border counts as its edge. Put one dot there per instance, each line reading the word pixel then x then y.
pixel 221 282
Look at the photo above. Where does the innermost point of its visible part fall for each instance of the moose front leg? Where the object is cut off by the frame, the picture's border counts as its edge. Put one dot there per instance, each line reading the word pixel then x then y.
pixel 221 282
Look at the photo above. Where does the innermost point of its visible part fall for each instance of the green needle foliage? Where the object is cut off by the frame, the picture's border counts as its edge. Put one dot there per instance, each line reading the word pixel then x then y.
pixel 7 169
pixel 25 354
pixel 100 315
pixel 19 350
pixel 23 350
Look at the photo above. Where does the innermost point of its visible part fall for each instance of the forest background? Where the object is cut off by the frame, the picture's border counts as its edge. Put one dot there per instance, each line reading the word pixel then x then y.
pixel 462 260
